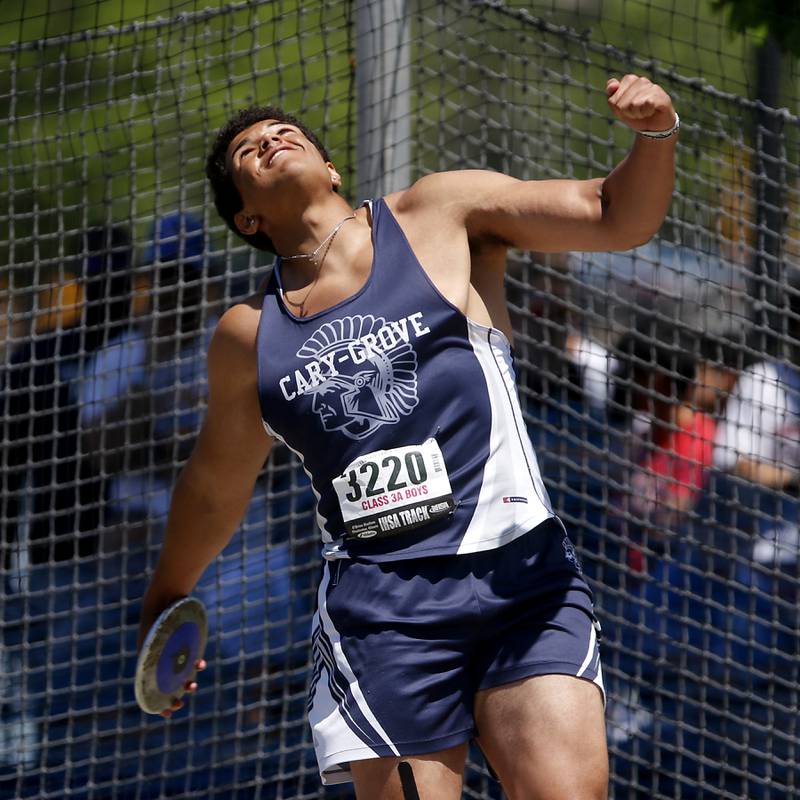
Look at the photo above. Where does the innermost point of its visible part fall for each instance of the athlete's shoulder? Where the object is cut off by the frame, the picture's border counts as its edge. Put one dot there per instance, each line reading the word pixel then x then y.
pixel 457 189
pixel 234 340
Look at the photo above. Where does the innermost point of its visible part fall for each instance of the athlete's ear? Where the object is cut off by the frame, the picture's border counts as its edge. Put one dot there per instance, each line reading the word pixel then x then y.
pixel 336 178
pixel 246 223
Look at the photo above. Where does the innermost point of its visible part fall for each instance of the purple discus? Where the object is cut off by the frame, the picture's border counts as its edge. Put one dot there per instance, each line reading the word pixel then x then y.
pixel 166 663
pixel 178 658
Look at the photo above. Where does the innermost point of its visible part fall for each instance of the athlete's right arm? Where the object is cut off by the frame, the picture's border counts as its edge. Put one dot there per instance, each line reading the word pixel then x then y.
pixel 214 488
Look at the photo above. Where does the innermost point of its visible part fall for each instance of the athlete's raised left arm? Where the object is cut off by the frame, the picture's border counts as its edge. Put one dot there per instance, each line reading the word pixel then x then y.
pixel 617 212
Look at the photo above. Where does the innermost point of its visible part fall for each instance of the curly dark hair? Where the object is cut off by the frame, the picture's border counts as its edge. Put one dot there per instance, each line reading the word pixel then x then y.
pixel 226 196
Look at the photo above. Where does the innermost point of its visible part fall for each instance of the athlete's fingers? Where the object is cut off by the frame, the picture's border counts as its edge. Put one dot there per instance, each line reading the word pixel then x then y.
pixel 630 87
pixel 621 97
pixel 177 705
pixel 191 686
pixel 627 81
pixel 200 665
pixel 643 105
pixel 612 84
pixel 639 101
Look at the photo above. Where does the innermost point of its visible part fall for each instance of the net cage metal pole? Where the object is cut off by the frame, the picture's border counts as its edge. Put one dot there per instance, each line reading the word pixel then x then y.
pixel 383 54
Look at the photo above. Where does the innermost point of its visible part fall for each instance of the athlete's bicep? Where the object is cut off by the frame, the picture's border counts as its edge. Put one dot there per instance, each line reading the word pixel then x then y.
pixel 549 216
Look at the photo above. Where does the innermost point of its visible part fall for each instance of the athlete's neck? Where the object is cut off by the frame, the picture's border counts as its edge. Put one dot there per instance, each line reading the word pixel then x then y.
pixel 342 270
pixel 302 232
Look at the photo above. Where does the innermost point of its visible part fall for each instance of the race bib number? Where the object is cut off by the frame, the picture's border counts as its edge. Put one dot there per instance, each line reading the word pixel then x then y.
pixel 389 492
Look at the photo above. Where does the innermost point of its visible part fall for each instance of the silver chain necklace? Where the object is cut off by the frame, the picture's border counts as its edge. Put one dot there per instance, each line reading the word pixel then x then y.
pixel 313 256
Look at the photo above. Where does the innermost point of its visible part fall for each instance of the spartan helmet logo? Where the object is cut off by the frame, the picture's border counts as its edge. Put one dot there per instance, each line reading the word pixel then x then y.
pixel 570 554
pixel 375 382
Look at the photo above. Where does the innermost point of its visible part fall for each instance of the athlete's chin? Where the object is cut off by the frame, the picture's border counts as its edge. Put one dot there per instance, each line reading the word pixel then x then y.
pixel 288 167
pixel 293 176
pixel 278 175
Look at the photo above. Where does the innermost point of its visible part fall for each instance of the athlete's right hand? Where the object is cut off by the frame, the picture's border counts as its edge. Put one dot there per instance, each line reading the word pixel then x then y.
pixel 148 617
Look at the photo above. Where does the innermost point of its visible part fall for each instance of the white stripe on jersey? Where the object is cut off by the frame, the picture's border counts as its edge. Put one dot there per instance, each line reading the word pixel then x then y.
pixel 511 470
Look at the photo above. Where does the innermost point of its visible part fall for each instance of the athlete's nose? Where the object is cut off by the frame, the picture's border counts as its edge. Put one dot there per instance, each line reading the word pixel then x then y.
pixel 268 143
pixel 267 140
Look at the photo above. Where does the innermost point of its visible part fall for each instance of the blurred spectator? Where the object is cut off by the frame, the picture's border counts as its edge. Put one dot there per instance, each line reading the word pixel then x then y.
pixel 596 364
pixel 538 293
pixel 677 447
pixel 578 451
pixel 751 519
pixel 80 649
pixel 59 305
pixel 759 438
pixel 52 493
pixel 759 441
pixel 143 395
pixel 669 459
pixel 718 370
pixel 52 497
pixel 12 322
pixel 558 358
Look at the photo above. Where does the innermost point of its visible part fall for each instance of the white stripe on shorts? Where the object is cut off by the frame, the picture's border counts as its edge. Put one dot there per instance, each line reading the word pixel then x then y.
pixel 592 655
pixel 335 741
pixel 589 652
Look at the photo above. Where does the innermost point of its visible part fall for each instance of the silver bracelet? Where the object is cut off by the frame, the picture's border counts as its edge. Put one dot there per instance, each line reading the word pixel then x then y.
pixel 663 134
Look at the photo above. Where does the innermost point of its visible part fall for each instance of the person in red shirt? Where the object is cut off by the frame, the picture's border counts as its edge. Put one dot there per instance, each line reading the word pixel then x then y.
pixel 677 445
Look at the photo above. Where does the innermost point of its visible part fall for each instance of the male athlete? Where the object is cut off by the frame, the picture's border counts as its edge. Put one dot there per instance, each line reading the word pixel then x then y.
pixel 452 605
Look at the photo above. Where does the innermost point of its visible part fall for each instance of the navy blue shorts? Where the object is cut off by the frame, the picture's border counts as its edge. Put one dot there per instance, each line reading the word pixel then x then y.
pixel 401 648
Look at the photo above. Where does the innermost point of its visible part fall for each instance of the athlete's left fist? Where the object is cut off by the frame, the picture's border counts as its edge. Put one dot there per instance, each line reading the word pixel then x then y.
pixel 640 103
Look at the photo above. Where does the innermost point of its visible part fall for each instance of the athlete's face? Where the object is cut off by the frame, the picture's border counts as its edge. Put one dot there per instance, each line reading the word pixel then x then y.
pixel 269 161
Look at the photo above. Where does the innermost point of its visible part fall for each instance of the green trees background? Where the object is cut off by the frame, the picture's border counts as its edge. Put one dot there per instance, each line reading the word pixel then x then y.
pixel 110 106
pixel 776 18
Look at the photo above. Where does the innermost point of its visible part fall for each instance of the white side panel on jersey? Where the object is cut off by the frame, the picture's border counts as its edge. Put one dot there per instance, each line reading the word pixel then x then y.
pixel 512 498
pixel 322 522
pixel 507 368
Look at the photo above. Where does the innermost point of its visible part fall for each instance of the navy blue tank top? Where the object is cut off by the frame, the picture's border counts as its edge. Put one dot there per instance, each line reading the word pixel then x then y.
pixel 373 378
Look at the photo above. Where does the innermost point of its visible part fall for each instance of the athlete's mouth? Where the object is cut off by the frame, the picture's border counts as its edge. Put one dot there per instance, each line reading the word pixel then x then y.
pixel 277 152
